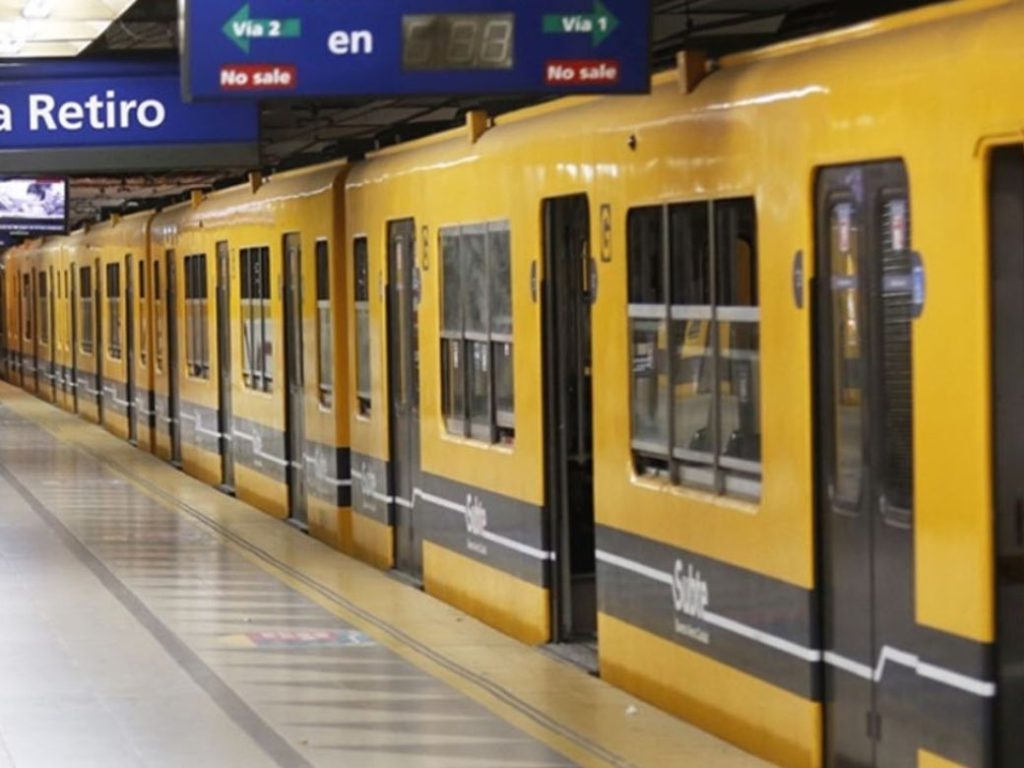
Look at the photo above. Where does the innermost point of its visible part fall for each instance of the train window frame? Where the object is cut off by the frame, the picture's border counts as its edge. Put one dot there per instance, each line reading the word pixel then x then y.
pixel 662 320
pixel 257 370
pixel 112 288
pixel 324 325
pixel 475 275
pixel 362 326
pixel 85 308
pixel 197 317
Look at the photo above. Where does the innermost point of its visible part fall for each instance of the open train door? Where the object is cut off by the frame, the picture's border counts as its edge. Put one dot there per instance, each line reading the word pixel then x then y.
pixel 132 408
pixel 404 389
pixel 295 382
pixel 1006 241
pixel 225 412
pixel 99 348
pixel 72 294
pixel 173 360
pixel 568 291
pixel 20 283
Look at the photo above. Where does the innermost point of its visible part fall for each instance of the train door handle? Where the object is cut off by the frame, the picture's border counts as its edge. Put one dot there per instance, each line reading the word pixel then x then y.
pixel 533 281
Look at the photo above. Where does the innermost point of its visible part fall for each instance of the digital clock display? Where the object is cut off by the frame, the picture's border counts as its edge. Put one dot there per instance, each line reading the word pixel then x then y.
pixel 458 41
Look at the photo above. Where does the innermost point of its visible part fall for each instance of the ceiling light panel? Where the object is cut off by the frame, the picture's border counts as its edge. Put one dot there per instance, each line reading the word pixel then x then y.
pixel 54 28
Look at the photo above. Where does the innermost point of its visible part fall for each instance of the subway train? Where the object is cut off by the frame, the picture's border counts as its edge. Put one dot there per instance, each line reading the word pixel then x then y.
pixel 723 378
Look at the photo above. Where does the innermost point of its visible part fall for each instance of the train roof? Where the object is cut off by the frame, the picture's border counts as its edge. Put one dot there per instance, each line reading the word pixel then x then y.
pixel 229 203
pixel 785 72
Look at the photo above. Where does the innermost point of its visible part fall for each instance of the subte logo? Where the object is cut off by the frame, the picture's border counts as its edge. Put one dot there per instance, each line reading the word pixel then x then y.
pixel 476 523
pixel 690 596
pixel 368 486
pixel 689 591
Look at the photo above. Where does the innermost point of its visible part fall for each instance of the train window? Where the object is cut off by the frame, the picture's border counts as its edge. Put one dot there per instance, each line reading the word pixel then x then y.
pixel 44 308
pixel 694 333
pixel 197 318
pixel 646 258
pixel 844 254
pixel 499 248
pixel 473 263
pixel 361 263
pixel 114 311
pixel 477 381
pixel 26 306
pixel 648 326
pixel 737 334
pixel 257 331
pixel 158 310
pixel 323 311
pixel 85 308
pixel 897 373
pixel 453 381
pixel 693 354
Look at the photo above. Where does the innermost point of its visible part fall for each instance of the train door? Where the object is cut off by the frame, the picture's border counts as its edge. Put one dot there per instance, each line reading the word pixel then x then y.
pixel 1006 238
pixel 33 311
pixel 225 414
pixel 21 283
pixel 48 292
pixel 865 293
pixel 173 360
pixel 568 290
pixel 73 319
pixel 295 389
pixel 63 363
pixel 99 347
pixel 132 409
pixel 404 386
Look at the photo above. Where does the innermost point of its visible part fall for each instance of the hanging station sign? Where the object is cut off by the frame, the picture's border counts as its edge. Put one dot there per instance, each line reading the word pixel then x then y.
pixel 273 48
pixel 82 117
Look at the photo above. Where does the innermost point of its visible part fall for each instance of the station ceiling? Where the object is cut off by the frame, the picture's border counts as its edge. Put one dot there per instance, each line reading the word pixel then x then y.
pixel 301 131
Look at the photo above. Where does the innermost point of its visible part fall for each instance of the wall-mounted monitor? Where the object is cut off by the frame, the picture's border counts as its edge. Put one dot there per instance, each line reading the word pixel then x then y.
pixel 33 206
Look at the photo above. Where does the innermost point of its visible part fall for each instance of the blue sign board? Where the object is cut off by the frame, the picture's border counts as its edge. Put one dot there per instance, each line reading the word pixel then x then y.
pixel 262 48
pixel 55 116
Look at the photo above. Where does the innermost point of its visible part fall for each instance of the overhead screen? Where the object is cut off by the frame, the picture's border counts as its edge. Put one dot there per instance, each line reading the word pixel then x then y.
pixel 31 206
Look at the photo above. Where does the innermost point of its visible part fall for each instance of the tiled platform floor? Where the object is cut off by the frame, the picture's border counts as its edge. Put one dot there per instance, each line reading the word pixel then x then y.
pixel 147 620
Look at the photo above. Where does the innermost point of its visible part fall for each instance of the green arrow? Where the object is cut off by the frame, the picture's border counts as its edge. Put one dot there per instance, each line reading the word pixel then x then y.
pixel 240 29
pixel 600 24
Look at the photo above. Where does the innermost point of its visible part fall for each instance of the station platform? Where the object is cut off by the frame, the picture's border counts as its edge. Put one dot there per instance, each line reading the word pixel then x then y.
pixel 149 620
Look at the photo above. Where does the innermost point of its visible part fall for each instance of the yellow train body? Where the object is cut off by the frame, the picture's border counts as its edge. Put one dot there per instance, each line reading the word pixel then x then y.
pixel 239 225
pixel 479 457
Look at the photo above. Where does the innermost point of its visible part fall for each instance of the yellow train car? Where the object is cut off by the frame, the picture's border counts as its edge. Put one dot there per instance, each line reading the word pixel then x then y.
pixel 15 310
pixel 111 252
pixel 679 367
pixel 55 348
pixel 255 350
pixel 34 318
pixel 723 379
pixel 43 259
